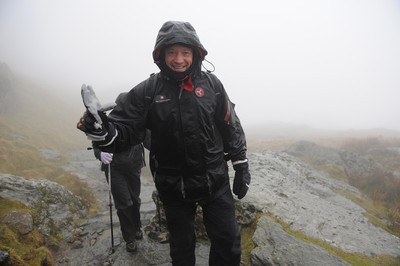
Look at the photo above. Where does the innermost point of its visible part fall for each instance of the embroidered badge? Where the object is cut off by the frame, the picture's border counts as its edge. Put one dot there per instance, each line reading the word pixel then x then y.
pixel 199 92
pixel 161 99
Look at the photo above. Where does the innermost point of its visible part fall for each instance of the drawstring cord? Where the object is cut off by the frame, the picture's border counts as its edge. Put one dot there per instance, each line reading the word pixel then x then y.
pixel 213 67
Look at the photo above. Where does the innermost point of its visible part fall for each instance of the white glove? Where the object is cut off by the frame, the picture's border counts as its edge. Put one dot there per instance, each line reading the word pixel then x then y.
pixel 106 157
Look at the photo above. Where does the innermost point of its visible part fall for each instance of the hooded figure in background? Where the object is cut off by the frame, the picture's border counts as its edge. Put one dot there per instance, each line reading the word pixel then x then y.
pixel 125 167
pixel 194 132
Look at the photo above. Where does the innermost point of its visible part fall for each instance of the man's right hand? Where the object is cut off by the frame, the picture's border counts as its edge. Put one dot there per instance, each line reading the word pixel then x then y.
pixel 103 133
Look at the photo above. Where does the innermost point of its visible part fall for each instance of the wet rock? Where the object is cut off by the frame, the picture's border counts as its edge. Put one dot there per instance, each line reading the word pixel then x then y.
pixel 4 257
pixel 313 206
pixel 93 241
pixel 56 206
pixel 275 247
pixel 76 244
pixel 20 221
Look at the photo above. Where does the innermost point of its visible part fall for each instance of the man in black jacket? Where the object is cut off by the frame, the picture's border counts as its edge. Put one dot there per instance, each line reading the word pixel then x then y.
pixel 194 130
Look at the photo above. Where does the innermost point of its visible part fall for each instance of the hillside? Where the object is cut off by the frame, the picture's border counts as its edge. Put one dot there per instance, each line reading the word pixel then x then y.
pixel 34 119
pixel 277 136
pixel 42 116
pixel 37 132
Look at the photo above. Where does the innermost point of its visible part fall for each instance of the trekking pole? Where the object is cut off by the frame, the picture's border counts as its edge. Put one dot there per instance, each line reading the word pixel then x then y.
pixel 110 205
pixel 159 213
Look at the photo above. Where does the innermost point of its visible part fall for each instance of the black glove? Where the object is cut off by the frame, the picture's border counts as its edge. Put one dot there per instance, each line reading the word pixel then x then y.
pixel 101 133
pixel 242 179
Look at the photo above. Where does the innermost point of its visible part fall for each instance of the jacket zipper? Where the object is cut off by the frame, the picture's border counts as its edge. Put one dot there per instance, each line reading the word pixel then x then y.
pixel 183 139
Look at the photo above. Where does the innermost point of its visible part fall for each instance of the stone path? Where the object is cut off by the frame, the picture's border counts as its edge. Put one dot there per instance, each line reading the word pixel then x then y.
pixel 93 246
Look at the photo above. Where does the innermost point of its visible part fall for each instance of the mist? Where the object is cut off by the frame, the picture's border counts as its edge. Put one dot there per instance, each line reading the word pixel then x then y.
pixel 325 64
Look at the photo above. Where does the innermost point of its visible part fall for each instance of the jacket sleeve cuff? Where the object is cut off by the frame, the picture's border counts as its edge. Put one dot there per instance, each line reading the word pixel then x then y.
pixel 240 164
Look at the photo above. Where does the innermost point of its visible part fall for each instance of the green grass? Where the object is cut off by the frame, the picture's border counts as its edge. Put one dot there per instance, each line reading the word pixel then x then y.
pixel 335 171
pixel 247 243
pixel 28 249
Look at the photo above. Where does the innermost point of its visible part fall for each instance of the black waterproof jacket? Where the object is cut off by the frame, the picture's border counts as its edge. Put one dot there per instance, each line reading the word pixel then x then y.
pixel 192 132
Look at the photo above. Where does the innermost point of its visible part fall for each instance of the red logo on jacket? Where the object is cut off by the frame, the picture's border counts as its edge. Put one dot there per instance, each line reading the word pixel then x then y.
pixel 199 92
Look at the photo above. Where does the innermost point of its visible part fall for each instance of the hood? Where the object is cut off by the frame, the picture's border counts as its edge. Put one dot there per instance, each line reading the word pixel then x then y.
pixel 173 32
pixel 120 98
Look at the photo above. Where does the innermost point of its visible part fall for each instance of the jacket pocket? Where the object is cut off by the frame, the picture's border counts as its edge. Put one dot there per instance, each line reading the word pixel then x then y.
pixel 170 186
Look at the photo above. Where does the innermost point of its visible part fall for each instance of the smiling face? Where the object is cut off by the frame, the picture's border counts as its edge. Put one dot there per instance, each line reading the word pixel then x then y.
pixel 178 58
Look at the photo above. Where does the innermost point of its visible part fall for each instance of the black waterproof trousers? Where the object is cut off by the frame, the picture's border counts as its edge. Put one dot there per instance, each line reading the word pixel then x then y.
pixel 125 188
pixel 221 225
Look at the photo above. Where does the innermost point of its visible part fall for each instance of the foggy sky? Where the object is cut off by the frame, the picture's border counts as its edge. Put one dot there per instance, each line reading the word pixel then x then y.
pixel 327 64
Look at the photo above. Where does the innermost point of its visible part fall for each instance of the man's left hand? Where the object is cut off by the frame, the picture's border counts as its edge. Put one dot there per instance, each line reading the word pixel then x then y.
pixel 242 179
pixel 106 157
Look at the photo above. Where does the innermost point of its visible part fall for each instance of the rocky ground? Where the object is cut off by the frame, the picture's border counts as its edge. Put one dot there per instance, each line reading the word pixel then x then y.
pixel 92 245
pixel 308 201
pixel 305 199
pixel 302 197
